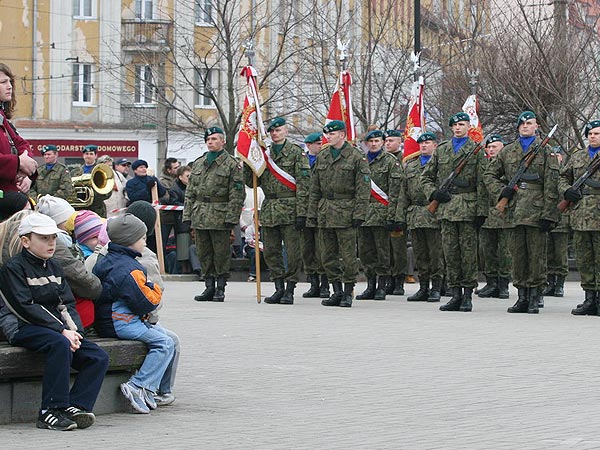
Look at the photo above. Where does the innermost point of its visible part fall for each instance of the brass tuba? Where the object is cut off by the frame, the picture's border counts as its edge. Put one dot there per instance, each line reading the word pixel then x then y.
pixel 101 181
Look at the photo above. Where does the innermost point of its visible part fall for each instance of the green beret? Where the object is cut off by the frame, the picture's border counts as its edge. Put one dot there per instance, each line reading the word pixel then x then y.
pixel 374 134
pixel 313 137
pixel 459 117
pixel 276 122
pixel 90 148
pixel 394 133
pixel 590 125
pixel 525 116
pixel 494 138
pixel 428 136
pixel 50 147
pixel 213 130
pixel 334 125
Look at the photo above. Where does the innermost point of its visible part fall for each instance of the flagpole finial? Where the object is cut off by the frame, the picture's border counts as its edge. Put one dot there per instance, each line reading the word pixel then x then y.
pixel 249 48
pixel 473 74
pixel 343 50
pixel 415 58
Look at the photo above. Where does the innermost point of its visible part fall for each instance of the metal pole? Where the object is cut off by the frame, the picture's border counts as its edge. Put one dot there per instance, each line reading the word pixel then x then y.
pixel 417 33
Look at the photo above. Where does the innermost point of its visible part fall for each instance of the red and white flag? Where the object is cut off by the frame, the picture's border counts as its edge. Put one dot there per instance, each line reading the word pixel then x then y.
pixel 470 107
pixel 415 121
pixel 340 107
pixel 251 138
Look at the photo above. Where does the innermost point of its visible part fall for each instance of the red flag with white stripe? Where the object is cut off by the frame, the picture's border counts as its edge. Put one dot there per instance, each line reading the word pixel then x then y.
pixel 415 122
pixel 340 107
pixel 470 107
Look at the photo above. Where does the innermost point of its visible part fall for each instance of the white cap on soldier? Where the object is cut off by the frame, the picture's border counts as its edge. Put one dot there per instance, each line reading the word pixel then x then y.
pixel 39 224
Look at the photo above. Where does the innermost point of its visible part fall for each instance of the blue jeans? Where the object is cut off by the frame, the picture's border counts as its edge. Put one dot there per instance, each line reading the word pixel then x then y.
pixel 168 379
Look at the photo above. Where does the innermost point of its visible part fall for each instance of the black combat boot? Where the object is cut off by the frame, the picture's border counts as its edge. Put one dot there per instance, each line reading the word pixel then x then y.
pixel 435 294
pixel 588 307
pixel 550 285
pixel 380 291
pixel 490 289
pixel 347 297
pixel 534 297
pixel 522 301
pixel 559 288
pixel 209 292
pixel 503 287
pixel 288 295
pixel 390 286
pixel 399 285
pixel 336 297
pixel 422 294
pixel 279 290
pixel 466 305
pixel 324 288
pixel 455 301
pixel 313 291
pixel 220 292
pixel 369 292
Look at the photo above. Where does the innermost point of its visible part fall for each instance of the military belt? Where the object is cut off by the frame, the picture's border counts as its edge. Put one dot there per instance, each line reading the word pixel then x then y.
pixel 333 196
pixel 461 190
pixel 590 191
pixel 531 186
pixel 275 195
pixel 216 199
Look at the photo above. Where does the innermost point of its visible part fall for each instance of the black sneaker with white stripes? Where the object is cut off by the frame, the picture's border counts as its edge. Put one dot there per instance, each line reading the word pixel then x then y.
pixel 55 419
pixel 81 417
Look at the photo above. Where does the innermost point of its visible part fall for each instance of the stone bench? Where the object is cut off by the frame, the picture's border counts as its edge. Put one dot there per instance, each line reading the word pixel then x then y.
pixel 21 374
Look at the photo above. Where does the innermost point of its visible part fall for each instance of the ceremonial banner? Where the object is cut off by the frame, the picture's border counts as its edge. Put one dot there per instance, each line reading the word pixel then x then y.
pixel 340 107
pixel 415 122
pixel 470 107
pixel 251 138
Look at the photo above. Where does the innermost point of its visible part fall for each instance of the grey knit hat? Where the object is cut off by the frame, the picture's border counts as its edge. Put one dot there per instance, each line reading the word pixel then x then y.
pixel 126 229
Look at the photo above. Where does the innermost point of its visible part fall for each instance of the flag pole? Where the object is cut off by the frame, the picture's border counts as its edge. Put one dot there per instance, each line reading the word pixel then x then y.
pixel 256 235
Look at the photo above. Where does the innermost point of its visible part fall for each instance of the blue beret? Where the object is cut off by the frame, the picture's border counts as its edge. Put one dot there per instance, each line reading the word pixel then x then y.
pixel 525 116
pixel 590 125
pixel 90 148
pixel 138 163
pixel 276 122
pixel 495 138
pixel 394 133
pixel 459 117
pixel 212 130
pixel 53 148
pixel 428 136
pixel 334 125
pixel 374 134
pixel 313 137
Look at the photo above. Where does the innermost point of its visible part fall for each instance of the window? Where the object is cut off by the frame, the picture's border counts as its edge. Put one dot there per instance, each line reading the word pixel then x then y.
pixel 203 86
pixel 204 12
pixel 144 9
pixel 84 8
pixel 82 84
pixel 145 89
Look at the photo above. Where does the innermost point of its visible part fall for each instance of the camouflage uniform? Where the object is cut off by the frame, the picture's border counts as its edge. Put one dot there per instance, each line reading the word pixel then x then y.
pixel 98 206
pixel 55 181
pixel 398 256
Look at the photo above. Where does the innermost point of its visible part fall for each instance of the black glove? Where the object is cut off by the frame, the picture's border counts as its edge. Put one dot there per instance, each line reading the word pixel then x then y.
pixel 151 182
pixel 390 225
pixel 507 192
pixel 546 225
pixel 479 220
pixel 230 225
pixel 401 226
pixel 300 223
pixel 441 195
pixel 573 195
pixel 357 223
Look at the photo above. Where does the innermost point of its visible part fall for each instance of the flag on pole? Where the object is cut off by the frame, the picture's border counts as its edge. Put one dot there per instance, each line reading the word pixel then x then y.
pixel 470 107
pixel 415 122
pixel 251 138
pixel 340 107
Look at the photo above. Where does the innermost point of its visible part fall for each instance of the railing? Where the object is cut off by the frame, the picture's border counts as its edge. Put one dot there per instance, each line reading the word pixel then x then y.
pixel 146 35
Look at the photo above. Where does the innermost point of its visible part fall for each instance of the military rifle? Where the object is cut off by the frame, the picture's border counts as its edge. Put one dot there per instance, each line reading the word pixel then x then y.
pixel 433 205
pixel 526 161
pixel 591 170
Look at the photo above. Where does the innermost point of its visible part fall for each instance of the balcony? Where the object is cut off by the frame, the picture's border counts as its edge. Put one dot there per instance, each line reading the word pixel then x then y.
pixel 154 35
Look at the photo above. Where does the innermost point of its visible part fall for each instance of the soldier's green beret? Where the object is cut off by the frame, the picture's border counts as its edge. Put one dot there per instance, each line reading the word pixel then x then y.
pixel 459 117
pixel 394 133
pixel 494 138
pixel 90 148
pixel 525 116
pixel 428 136
pixel 213 130
pixel 374 134
pixel 50 147
pixel 334 125
pixel 313 137
pixel 590 125
pixel 276 122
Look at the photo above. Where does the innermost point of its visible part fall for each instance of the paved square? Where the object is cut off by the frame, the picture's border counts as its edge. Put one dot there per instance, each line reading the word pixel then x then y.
pixel 381 375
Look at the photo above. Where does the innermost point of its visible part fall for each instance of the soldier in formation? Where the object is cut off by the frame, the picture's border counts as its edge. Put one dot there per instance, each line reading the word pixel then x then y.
pixel 53 177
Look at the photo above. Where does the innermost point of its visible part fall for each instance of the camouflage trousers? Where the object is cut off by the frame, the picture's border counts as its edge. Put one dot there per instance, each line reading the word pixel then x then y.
pixel 374 250
pixel 527 247
pixel 398 258
pixel 310 251
pixel 587 251
pixel 459 242
pixel 557 253
pixel 494 251
pixel 214 251
pixel 274 238
pixel 428 253
pixel 338 254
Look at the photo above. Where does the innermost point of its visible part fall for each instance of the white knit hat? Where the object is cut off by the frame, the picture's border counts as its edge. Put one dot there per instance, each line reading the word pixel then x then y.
pixel 56 208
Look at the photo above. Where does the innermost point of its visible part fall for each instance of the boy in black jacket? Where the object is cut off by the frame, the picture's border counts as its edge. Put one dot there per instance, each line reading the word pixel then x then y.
pixel 37 312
